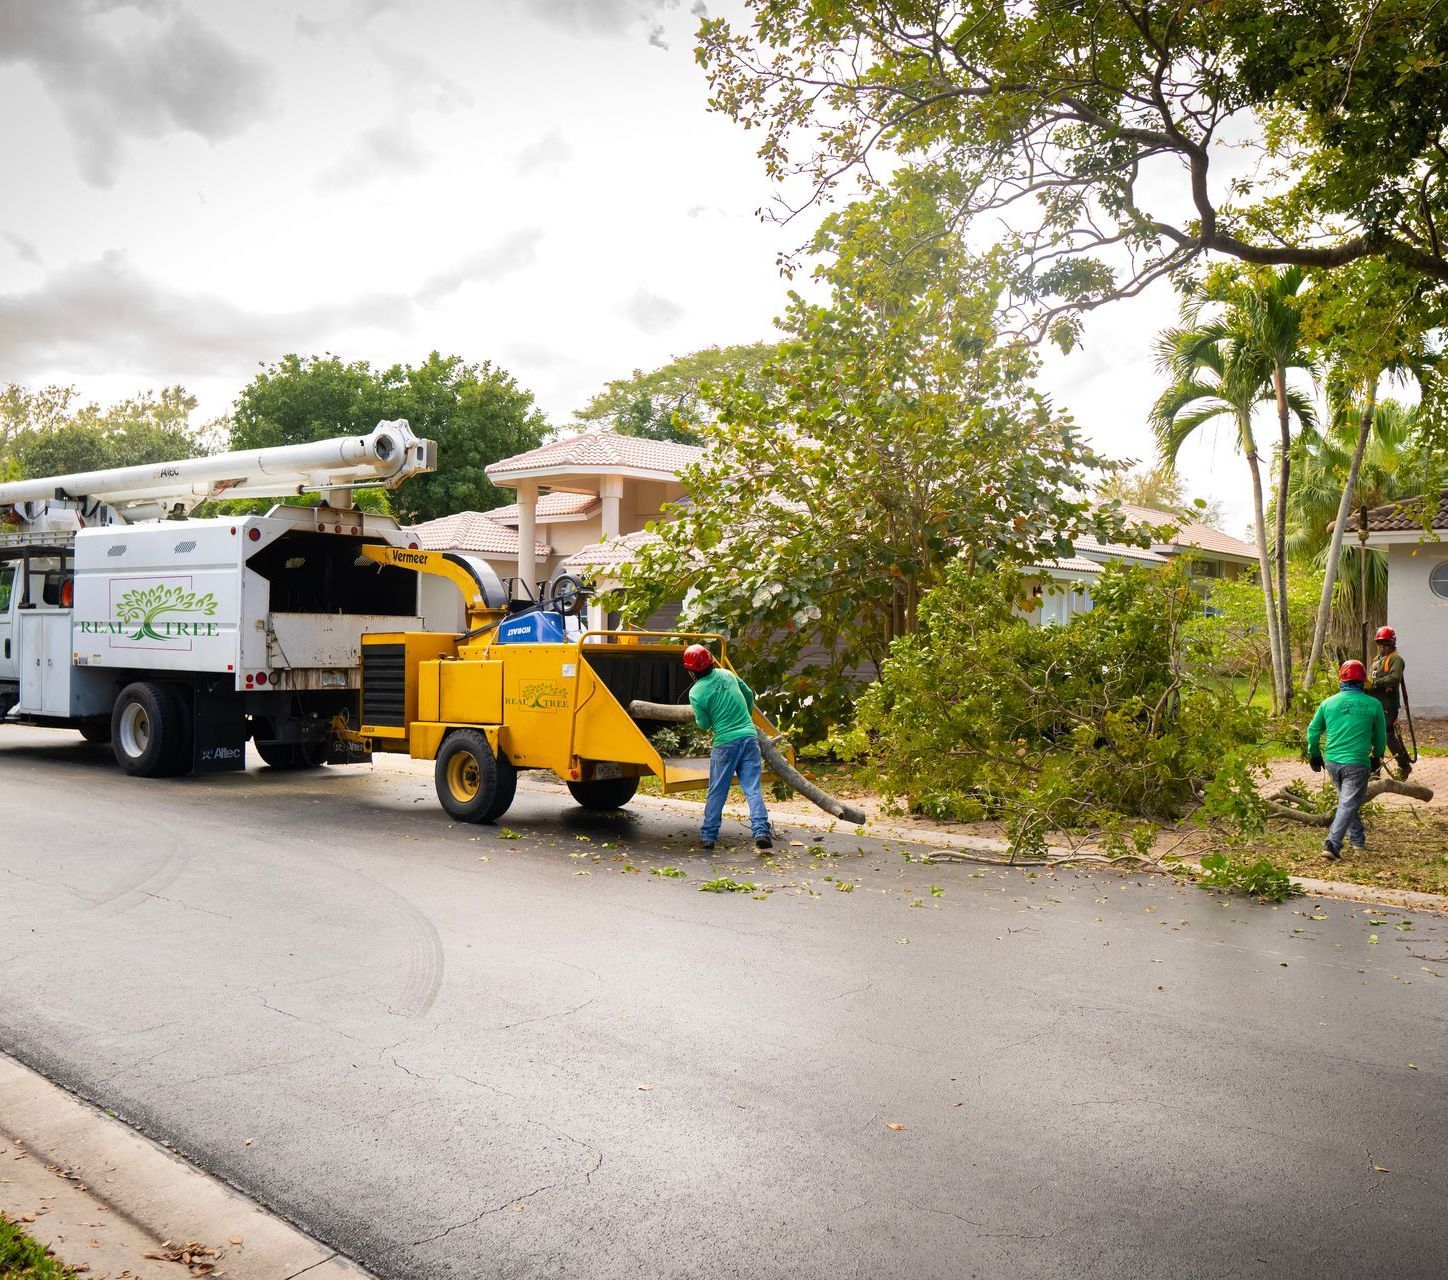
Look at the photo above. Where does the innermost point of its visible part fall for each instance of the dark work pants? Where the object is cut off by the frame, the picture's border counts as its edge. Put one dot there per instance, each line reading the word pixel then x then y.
pixel 1396 747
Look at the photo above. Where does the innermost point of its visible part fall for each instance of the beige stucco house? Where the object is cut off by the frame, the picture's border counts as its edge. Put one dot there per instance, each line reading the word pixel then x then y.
pixel 582 505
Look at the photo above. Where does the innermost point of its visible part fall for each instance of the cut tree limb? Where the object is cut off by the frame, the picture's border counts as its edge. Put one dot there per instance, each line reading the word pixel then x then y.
pixel 773 757
pixel 1284 803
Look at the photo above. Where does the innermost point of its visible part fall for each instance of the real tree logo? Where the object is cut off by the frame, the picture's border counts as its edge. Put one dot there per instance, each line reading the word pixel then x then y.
pixel 143 609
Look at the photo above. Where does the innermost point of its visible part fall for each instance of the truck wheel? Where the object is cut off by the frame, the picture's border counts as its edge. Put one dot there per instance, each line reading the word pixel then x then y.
pixel 604 793
pixel 466 776
pixel 149 731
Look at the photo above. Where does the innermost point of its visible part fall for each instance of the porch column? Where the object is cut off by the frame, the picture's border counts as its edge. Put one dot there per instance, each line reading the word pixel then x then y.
pixel 611 492
pixel 527 535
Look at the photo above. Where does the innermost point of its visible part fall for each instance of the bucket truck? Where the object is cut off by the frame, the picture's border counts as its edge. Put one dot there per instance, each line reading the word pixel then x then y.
pixel 178 639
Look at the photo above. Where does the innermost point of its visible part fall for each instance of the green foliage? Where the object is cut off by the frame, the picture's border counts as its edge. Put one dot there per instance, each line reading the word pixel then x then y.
pixel 1258 877
pixel 1230 637
pixel 477 414
pixel 52 432
pixel 1159 488
pixel 725 885
pixel 682 740
pixel 1095 724
pixel 1055 113
pixel 670 402
pixel 670 873
pixel 904 435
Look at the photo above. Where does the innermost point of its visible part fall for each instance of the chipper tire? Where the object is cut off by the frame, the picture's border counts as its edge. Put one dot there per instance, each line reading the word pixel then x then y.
pixel 149 731
pixel 603 794
pixel 472 784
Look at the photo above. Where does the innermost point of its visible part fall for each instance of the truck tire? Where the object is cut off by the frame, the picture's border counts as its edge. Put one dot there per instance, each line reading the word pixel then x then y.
pixel 604 793
pixel 466 776
pixel 507 789
pixel 149 731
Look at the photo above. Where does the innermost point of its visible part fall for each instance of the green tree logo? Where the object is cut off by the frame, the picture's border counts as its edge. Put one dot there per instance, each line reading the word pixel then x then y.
pixel 143 607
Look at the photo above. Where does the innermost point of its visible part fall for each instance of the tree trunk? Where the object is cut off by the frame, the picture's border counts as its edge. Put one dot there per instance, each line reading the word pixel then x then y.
pixel 1334 551
pixel 1264 565
pixel 1279 550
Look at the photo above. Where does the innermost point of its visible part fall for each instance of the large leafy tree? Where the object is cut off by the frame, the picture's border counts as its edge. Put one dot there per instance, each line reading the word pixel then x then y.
pixel 900 434
pixel 667 403
pixel 1122 141
pixel 477 413
pixel 52 431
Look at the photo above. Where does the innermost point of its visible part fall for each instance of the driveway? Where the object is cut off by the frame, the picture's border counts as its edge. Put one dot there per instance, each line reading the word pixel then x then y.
pixel 453 1054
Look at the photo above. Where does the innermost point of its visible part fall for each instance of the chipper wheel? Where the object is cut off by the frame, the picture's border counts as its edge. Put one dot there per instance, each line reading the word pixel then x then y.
pixel 604 793
pixel 473 784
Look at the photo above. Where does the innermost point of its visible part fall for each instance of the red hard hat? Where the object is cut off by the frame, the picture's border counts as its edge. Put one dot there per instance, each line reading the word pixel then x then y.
pixel 697 658
pixel 1352 670
pixel 1387 634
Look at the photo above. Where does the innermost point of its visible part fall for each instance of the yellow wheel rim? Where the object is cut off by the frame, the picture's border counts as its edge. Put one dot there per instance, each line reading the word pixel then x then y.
pixel 462 777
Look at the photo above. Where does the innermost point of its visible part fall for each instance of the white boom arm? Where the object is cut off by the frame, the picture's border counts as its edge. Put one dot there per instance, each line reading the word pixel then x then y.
pixel 384 458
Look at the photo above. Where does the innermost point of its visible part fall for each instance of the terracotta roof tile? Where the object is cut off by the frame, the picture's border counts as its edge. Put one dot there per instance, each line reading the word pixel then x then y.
pixel 602 448
pixel 608 554
pixel 1402 517
pixel 472 531
pixel 550 505
pixel 1191 534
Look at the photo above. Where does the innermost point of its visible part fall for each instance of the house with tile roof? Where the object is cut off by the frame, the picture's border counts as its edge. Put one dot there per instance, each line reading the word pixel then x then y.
pixel 1414 535
pixel 582 503
pixel 1064 586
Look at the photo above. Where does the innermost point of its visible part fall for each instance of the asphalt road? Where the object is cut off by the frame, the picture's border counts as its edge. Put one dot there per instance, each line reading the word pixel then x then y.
pixel 450 1053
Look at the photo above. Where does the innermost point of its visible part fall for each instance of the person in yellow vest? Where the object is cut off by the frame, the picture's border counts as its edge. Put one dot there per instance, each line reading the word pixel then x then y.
pixel 1385 683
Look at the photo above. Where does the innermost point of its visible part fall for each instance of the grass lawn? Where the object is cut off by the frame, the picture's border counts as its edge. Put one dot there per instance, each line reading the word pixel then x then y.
pixel 22 1258
pixel 1407 849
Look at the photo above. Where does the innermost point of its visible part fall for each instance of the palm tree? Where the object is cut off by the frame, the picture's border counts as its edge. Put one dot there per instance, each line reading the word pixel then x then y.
pixel 1218 369
pixel 1386 473
pixel 1274 321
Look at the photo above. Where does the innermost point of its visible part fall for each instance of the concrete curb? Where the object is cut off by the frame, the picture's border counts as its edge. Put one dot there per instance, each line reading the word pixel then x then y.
pixel 1406 898
pixel 156 1191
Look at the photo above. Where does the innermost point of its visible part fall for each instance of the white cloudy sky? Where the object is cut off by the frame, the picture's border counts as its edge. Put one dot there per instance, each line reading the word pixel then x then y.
pixel 193 187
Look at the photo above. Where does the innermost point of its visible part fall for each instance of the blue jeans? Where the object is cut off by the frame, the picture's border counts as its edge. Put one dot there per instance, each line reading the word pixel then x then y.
pixel 1351 781
pixel 740 759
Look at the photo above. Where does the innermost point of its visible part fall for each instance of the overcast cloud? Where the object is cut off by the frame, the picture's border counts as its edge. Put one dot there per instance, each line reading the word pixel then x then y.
pixel 197 187
pixel 114 81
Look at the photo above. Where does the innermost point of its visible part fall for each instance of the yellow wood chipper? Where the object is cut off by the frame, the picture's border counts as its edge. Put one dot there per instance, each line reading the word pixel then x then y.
pixel 515 692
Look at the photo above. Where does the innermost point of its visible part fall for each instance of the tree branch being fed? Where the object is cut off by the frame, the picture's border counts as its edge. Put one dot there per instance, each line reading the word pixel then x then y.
pixel 1286 803
pixel 773 757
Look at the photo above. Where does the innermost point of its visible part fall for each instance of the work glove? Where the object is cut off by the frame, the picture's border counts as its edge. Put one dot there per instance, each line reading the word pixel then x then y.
pixel 1314 763
pixel 1375 763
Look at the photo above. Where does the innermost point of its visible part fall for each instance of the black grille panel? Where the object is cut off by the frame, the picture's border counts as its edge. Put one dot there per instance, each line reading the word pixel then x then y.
pixel 384 685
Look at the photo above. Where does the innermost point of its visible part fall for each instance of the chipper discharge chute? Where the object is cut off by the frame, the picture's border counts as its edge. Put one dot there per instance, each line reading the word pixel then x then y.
pixel 515 691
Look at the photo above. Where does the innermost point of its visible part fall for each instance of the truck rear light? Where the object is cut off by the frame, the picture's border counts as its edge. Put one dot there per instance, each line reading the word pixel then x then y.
pixel 261 677
pixel 412 546
pixel 254 534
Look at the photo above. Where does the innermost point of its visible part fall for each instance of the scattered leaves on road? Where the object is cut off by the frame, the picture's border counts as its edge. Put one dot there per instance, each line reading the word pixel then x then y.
pixel 725 885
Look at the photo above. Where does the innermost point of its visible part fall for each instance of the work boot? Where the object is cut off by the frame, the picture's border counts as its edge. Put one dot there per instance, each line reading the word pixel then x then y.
pixel 763 842
pixel 1406 768
pixel 1331 850
pixel 707 845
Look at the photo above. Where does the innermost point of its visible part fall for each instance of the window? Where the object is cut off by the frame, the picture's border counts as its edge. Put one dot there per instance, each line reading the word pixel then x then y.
pixel 7 579
pixel 1438 580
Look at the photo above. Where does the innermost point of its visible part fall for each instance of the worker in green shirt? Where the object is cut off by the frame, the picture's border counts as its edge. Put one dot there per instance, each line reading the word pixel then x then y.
pixel 1357 736
pixel 1385 683
pixel 721 701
